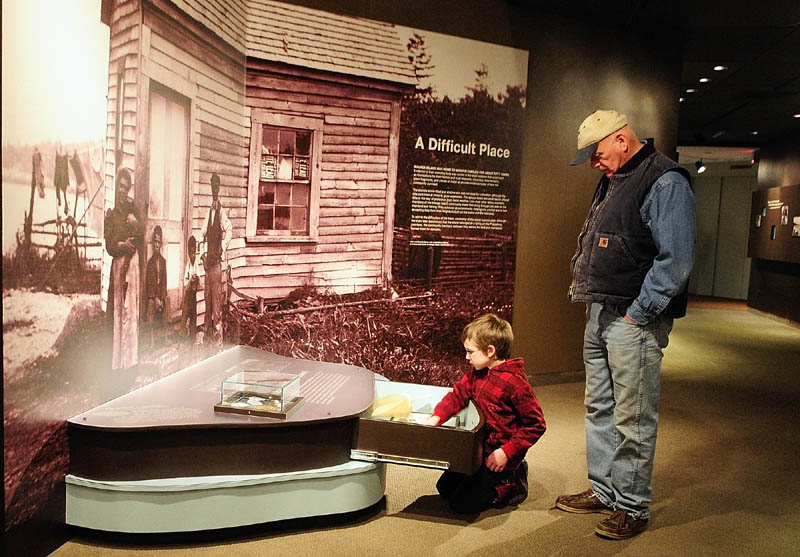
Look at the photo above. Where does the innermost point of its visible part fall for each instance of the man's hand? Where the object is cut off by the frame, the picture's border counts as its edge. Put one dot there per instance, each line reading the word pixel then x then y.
pixel 497 460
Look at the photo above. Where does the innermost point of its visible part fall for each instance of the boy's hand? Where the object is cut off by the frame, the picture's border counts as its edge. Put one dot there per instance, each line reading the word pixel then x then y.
pixel 432 420
pixel 497 460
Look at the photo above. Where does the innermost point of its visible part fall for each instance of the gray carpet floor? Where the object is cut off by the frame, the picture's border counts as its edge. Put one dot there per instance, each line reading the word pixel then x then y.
pixel 725 480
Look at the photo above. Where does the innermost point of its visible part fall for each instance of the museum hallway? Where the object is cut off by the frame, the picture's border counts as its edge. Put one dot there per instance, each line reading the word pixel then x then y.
pixel 725 480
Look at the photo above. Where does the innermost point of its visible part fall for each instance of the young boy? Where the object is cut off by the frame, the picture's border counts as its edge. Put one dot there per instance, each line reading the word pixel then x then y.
pixel 514 421
pixel 191 283
pixel 156 287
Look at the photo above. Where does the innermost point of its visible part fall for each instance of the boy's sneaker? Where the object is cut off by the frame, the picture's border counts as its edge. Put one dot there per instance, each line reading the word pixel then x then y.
pixel 620 526
pixel 502 492
pixel 520 492
pixel 583 502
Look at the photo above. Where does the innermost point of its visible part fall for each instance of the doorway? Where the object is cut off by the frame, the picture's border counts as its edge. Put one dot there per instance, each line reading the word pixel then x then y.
pixel 722 268
pixel 168 185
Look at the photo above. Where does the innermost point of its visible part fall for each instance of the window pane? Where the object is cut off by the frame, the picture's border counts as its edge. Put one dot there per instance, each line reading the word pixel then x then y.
pixel 299 219
pixel 281 218
pixel 287 142
pixel 269 141
pixel 283 194
pixel 300 195
pixel 285 168
pixel 301 168
pixel 284 164
pixel 266 194
pixel 264 219
pixel 303 143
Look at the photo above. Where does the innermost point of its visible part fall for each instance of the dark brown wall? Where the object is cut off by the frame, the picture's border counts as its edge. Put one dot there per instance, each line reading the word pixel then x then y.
pixel 573 72
pixel 775 285
pixel 780 163
pixel 574 68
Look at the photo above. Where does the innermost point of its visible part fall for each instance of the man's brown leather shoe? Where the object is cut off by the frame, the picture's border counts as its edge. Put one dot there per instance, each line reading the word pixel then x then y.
pixel 584 502
pixel 620 526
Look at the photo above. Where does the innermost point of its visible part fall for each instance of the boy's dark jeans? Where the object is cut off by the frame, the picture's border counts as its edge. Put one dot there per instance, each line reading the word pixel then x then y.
pixel 473 494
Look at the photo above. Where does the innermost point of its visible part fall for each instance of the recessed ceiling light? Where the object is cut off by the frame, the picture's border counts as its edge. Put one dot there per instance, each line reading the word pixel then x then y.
pixel 754 132
pixel 704 80
pixel 720 68
pixel 796 115
pixel 681 99
pixel 691 90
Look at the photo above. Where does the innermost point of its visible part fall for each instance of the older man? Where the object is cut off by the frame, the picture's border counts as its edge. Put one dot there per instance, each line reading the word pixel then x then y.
pixel 217 234
pixel 635 253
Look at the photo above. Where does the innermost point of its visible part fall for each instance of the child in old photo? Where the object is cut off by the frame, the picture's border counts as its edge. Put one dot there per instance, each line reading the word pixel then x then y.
pixel 191 283
pixel 499 386
pixel 156 289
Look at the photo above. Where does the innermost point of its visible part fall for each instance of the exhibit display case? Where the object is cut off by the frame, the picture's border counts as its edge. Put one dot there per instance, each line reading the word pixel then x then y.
pixel 260 393
pixel 163 458
pixel 392 430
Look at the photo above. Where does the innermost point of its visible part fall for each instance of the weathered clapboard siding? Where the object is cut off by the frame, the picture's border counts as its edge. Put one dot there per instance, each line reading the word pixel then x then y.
pixel 314 270
pixel 349 220
pixel 297 258
pixel 354 177
pixel 345 201
pixel 298 103
pixel 294 84
pixel 123 79
pixel 228 58
pixel 165 42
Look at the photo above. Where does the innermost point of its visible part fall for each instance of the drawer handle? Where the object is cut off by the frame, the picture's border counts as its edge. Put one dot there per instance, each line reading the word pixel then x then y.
pixel 374 456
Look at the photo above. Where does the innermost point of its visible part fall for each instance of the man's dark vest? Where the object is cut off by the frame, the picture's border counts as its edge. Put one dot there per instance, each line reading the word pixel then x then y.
pixel 214 237
pixel 615 248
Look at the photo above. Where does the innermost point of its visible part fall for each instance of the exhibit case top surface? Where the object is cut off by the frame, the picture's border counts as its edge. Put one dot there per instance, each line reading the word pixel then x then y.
pixel 187 398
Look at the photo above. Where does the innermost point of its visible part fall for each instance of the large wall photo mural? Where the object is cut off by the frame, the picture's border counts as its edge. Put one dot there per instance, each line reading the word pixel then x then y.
pixel 177 180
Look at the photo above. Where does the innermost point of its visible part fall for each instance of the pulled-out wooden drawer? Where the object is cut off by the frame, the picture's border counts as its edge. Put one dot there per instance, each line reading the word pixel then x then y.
pixel 457 445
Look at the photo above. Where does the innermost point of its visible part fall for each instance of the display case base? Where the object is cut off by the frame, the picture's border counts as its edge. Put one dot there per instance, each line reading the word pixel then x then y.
pixel 214 502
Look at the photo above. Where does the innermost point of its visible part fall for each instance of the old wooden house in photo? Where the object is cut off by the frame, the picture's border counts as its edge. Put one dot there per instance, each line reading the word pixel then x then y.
pixel 298 112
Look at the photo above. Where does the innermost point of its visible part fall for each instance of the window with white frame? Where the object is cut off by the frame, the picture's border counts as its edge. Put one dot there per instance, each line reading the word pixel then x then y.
pixel 283 186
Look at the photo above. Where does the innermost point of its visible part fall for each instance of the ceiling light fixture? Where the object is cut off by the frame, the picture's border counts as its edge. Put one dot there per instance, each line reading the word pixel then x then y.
pixel 681 99
pixel 720 68
pixel 704 80
pixel 796 115
pixel 700 166
pixel 754 132
pixel 691 90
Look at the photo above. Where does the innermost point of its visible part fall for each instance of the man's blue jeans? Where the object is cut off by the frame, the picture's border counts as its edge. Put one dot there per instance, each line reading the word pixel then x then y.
pixel 623 367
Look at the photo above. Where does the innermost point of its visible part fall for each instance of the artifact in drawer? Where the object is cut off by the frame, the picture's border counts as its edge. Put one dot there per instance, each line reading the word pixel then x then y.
pixel 392 430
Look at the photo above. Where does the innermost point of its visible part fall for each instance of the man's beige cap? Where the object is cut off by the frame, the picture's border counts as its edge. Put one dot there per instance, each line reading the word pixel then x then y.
pixel 596 127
